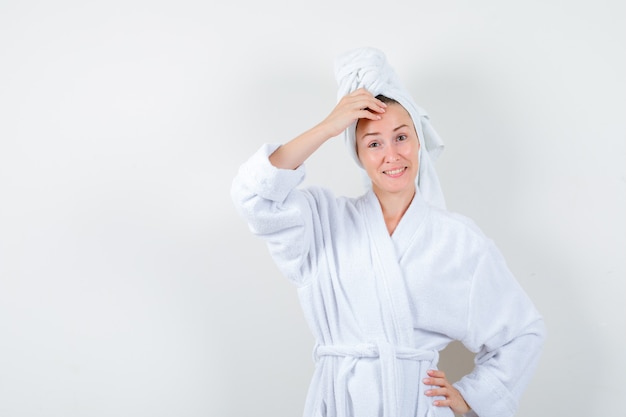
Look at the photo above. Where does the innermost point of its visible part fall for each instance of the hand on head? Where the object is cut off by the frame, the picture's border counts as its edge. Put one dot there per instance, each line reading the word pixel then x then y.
pixel 360 104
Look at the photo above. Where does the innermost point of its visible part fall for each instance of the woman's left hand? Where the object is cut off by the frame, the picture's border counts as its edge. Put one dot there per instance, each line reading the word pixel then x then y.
pixel 453 397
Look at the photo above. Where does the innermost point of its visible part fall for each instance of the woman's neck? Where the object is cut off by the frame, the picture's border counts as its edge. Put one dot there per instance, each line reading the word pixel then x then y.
pixel 393 206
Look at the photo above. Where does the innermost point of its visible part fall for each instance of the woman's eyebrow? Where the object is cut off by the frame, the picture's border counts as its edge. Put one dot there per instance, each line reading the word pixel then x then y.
pixel 378 133
pixel 370 134
pixel 400 127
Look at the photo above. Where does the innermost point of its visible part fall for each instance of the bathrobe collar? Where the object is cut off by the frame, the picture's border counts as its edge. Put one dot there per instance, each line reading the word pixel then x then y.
pixel 408 226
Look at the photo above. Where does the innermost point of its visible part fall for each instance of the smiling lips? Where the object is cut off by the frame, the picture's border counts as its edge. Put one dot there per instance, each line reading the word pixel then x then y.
pixel 395 172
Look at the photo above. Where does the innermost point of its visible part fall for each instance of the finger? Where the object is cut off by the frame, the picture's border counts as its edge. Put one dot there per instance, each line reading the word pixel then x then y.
pixel 365 100
pixel 372 106
pixel 458 406
pixel 436 373
pixel 437 392
pixel 437 382
pixel 442 403
pixel 372 101
pixel 368 114
pixel 378 106
pixel 451 398
pixel 362 92
pixel 367 103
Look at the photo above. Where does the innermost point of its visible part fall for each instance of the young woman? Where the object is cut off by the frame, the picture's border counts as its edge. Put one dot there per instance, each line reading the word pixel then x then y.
pixel 388 279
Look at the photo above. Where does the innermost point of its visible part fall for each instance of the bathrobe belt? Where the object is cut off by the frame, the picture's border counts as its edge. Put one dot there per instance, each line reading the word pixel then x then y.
pixel 387 354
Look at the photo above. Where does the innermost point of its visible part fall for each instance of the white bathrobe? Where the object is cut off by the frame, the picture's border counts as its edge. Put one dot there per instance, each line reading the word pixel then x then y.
pixel 381 307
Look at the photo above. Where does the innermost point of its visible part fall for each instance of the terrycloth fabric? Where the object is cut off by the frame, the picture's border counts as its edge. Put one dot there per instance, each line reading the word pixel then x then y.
pixel 381 307
pixel 368 68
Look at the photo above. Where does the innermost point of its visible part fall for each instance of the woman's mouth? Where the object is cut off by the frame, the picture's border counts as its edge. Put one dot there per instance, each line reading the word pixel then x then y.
pixel 395 172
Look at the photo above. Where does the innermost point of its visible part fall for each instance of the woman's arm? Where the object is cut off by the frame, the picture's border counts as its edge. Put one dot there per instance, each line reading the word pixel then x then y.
pixel 360 104
pixel 507 332
pixel 263 189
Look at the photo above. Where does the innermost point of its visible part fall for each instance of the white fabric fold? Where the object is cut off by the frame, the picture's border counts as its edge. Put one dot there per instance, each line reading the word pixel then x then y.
pixel 368 68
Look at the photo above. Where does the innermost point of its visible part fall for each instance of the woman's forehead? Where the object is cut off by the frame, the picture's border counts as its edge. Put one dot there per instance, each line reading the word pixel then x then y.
pixel 394 117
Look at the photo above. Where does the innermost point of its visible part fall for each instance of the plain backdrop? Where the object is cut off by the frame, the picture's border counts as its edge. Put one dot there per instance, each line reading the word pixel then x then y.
pixel 130 287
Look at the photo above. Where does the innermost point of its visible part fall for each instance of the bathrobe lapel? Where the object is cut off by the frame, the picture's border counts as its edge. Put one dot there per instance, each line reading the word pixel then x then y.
pixel 386 255
pixel 397 322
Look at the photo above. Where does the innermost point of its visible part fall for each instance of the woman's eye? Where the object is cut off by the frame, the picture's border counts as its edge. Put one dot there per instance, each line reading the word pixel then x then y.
pixel 402 137
pixel 373 145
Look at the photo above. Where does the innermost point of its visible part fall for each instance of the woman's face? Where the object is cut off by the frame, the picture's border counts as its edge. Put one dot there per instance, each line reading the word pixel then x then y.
pixel 388 150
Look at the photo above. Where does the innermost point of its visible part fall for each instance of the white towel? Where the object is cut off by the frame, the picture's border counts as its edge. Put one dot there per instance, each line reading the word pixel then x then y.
pixel 368 68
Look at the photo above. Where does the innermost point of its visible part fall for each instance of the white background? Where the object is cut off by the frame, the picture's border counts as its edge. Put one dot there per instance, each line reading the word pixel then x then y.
pixel 129 286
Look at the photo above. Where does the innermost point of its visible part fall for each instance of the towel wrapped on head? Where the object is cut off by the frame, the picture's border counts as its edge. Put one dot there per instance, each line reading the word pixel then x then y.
pixel 368 68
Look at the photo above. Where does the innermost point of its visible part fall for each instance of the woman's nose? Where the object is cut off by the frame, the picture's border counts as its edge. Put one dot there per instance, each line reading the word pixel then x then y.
pixel 391 154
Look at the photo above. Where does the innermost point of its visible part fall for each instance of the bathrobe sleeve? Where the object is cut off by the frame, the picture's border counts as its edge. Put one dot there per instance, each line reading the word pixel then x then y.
pixel 275 210
pixel 506 332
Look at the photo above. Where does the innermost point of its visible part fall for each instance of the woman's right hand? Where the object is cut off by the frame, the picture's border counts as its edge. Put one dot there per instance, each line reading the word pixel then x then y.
pixel 360 104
